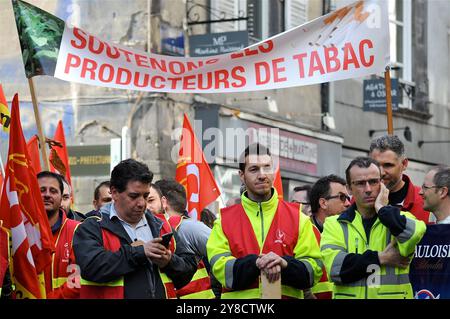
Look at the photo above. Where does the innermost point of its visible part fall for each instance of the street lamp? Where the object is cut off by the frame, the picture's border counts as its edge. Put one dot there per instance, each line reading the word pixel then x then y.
pixel 406 133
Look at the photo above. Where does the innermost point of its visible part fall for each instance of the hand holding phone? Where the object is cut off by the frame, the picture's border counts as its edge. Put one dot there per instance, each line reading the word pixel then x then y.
pixel 166 239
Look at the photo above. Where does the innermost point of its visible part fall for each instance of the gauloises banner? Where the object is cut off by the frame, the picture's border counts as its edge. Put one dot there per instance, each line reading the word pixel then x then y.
pixel 430 268
pixel 350 42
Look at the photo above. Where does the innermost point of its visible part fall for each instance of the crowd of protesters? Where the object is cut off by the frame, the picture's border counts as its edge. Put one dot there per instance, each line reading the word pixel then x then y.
pixel 139 241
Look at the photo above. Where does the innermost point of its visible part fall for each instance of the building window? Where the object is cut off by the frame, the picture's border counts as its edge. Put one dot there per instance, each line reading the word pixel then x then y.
pixel 228 9
pixel 400 28
pixel 295 13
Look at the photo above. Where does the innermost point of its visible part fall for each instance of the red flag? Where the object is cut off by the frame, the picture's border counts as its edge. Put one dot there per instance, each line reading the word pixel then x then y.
pixel 277 184
pixel 4 252
pixel 33 151
pixel 24 216
pixel 59 158
pixel 194 174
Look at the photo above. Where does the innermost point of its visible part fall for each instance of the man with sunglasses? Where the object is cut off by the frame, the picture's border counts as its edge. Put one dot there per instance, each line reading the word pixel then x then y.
pixel 368 248
pixel 328 197
pixel 435 193
pixel 389 151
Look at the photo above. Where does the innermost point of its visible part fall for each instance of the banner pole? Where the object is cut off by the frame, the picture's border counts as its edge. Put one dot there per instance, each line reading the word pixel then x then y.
pixel 42 139
pixel 387 80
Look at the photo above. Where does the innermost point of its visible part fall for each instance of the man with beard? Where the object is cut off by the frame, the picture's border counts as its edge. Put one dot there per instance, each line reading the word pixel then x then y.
pixel 63 262
pixel 389 152
pixel 262 234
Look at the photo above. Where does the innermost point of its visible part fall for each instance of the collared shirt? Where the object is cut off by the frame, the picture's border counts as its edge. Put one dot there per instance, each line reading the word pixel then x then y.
pixel 444 221
pixel 141 231
pixel 58 223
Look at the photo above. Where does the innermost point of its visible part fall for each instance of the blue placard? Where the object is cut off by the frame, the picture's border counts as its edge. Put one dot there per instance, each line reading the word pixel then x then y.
pixel 430 268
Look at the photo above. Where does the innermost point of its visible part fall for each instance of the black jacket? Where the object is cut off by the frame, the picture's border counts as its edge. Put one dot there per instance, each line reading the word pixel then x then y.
pixel 141 278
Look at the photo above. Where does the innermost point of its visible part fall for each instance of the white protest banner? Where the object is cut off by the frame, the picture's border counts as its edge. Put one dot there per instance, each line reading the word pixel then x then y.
pixel 348 43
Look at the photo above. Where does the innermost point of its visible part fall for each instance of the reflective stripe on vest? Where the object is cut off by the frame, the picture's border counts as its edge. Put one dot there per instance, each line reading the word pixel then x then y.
pixel 200 285
pixel 387 283
pixel 168 286
pixel 109 290
pixel 115 283
pixel 61 257
pixel 242 241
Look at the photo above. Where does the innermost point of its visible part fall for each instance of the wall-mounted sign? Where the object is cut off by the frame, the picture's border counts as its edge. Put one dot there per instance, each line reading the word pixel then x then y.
pixel 217 43
pixel 172 40
pixel 89 160
pixel 375 94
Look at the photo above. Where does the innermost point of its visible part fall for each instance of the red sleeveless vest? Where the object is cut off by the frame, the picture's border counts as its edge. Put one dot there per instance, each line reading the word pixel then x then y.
pixel 200 286
pixel 281 238
pixel 115 290
pixel 62 259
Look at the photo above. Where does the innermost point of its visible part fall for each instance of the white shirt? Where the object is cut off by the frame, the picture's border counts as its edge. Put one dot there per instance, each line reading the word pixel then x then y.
pixel 444 221
pixel 141 231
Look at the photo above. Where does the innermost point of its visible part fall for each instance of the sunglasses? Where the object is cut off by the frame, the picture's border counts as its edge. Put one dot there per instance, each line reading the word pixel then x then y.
pixel 341 196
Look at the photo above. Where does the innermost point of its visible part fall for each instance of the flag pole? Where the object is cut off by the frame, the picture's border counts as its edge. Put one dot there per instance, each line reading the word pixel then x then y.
pixel 387 80
pixel 42 139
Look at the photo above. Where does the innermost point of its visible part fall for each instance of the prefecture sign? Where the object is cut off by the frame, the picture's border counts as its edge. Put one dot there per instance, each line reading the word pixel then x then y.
pixel 89 160
pixel 375 94
pixel 217 43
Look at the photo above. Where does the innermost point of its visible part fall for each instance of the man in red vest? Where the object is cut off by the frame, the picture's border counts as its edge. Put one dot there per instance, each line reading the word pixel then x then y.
pixel 389 152
pixel 263 234
pixel 194 233
pixel 120 253
pixel 62 276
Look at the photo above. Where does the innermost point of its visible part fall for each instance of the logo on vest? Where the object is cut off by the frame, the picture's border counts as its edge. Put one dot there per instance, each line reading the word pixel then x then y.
pixel 280 237
pixel 65 259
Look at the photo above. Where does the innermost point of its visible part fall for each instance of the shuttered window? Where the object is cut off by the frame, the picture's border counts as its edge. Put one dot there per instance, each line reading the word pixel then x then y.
pixel 228 9
pixel 296 13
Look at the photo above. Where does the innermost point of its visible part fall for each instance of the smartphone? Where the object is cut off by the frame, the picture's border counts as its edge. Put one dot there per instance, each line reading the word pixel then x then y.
pixel 166 239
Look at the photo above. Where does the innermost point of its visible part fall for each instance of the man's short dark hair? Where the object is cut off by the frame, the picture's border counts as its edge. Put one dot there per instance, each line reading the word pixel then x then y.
pixel 175 194
pixel 321 189
pixel 442 177
pixel 388 143
pixel 97 189
pixel 252 149
pixel 156 188
pixel 129 170
pixel 306 188
pixel 362 162
pixel 208 217
pixel 56 176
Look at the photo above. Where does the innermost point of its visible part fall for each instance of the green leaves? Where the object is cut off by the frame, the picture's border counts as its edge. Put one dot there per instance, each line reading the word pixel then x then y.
pixel 40 36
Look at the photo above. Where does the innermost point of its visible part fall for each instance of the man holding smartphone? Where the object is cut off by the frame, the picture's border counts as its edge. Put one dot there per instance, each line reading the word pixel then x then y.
pixel 120 254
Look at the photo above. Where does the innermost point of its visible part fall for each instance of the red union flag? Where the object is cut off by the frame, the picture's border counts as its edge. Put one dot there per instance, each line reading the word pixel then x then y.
pixel 24 216
pixel 4 252
pixel 59 157
pixel 277 184
pixel 33 151
pixel 194 174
